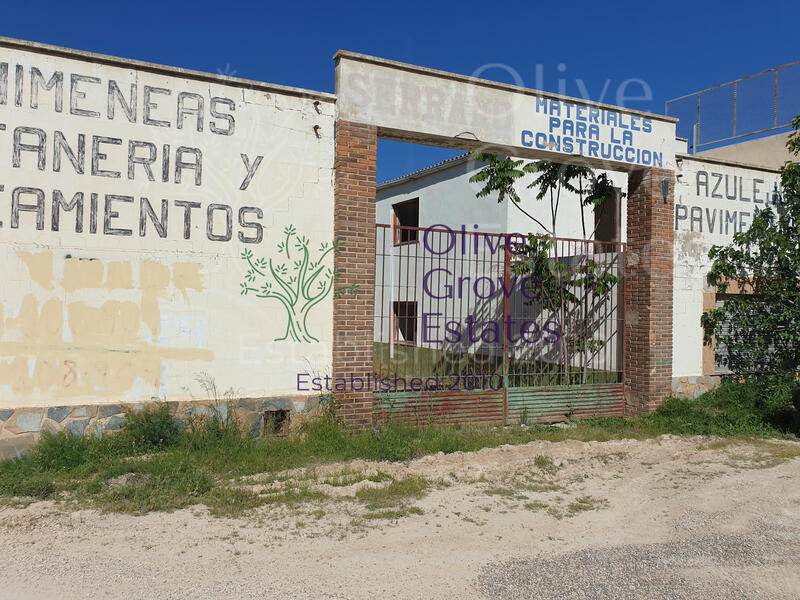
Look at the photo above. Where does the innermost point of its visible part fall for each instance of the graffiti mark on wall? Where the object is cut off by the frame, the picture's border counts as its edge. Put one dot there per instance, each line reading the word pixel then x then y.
pixel 299 283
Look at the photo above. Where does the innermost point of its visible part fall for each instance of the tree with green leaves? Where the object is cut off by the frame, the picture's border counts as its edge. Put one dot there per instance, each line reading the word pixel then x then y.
pixel 502 174
pixel 571 291
pixel 760 327
pixel 299 283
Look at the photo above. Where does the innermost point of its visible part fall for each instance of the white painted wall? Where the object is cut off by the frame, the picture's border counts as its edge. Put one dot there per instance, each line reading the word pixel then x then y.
pixel 112 315
pixel 712 201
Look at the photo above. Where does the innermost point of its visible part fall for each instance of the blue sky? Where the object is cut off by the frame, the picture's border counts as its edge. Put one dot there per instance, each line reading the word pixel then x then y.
pixel 675 47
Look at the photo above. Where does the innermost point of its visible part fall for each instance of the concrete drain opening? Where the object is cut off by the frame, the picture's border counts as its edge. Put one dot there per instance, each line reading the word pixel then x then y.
pixel 276 422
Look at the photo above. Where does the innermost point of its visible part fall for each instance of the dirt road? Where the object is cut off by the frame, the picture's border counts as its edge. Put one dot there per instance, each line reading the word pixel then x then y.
pixel 664 518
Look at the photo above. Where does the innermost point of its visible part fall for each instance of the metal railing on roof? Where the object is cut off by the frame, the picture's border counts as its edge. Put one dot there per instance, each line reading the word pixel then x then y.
pixel 748 106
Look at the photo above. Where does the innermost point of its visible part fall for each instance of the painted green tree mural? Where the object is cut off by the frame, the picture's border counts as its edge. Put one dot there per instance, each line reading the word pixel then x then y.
pixel 299 283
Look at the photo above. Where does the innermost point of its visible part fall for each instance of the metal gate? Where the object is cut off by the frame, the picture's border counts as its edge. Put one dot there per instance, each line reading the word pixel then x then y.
pixel 496 328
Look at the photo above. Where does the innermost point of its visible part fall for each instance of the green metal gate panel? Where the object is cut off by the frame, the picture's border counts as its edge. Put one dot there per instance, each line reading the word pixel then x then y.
pixel 502 407
pixel 549 405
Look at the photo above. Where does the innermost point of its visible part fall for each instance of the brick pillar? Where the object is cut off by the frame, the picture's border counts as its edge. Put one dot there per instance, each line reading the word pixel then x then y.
pixel 354 227
pixel 648 291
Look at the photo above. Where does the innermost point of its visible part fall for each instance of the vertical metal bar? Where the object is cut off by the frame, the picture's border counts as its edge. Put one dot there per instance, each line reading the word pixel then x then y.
pixel 391 293
pixel 621 326
pixel 775 104
pixel 607 304
pixel 449 309
pixel 581 250
pixel 480 265
pixel 424 297
pixel 383 293
pixel 438 286
pixel 506 328
pixel 564 252
pixel 735 100
pixel 493 308
pixel 609 360
pixel 470 254
pixel 408 348
pixel 498 260
pixel 696 128
pixel 462 257
pixel 602 366
pixel 609 328
pixel 557 291
pixel 417 295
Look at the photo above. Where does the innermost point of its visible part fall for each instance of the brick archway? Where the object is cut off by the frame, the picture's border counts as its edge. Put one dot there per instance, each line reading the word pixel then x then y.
pixel 648 287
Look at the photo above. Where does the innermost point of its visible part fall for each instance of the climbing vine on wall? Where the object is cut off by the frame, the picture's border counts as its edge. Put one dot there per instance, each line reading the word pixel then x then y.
pixel 295 279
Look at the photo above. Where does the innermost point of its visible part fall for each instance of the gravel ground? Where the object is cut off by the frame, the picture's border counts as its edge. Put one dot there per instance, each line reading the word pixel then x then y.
pixel 669 518
pixel 712 568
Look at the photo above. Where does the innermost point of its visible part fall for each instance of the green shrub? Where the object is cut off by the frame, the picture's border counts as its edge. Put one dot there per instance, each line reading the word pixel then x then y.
pixel 60 451
pixel 151 428
pixel 769 397
pixel 213 432
pixel 35 485
pixel 326 437
pixel 697 417
pixel 172 481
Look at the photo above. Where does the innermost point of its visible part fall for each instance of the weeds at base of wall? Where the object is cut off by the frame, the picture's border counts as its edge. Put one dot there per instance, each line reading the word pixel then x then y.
pixel 153 465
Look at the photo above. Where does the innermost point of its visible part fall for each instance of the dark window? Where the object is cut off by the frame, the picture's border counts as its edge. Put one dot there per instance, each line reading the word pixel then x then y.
pixel 405 318
pixel 406 220
pixel 606 219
